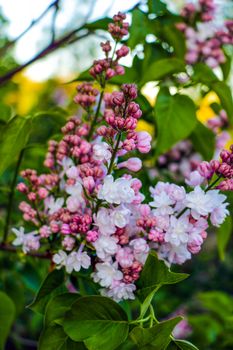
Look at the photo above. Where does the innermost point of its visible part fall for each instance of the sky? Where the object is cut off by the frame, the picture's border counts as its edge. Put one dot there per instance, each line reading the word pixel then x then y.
pixel 21 13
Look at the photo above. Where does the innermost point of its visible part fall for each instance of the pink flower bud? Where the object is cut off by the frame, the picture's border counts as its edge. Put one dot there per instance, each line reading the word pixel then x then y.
pixel 205 170
pixel 92 236
pixel 143 141
pixel 118 98
pixel 44 231
pixel 31 196
pixel 89 183
pixel 68 243
pixel 110 73
pixel 21 187
pixel 65 229
pixel 119 70
pixel 54 227
pixel 145 209
pixel 214 164
pixel 133 164
pixel 42 193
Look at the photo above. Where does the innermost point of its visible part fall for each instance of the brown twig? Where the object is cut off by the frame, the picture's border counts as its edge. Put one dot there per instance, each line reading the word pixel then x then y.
pixel 10 248
pixel 32 24
pixel 46 51
pixel 54 17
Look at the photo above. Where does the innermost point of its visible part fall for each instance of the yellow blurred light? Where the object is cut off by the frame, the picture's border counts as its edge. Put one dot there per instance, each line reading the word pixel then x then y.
pixel 205 112
pixel 145 126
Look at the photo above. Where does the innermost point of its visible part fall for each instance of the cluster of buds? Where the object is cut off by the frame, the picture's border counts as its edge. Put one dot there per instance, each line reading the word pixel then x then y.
pixel 119 28
pixel 86 96
pixel 204 10
pixel 90 215
pixel 222 168
pixel 204 39
pixel 105 69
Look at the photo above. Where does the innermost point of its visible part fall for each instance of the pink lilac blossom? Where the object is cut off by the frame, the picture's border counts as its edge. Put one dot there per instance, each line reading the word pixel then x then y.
pixel 96 219
pixel 204 39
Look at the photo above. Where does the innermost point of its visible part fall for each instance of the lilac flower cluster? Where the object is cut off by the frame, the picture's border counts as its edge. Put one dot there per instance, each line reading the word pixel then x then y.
pixel 89 217
pixel 204 38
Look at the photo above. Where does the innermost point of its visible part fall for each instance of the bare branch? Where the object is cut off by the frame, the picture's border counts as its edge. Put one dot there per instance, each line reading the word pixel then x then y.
pixel 32 24
pixel 67 39
pixel 12 249
pixel 54 17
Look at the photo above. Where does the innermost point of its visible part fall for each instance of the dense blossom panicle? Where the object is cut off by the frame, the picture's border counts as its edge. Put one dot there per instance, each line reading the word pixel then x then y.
pixel 90 213
pixel 204 38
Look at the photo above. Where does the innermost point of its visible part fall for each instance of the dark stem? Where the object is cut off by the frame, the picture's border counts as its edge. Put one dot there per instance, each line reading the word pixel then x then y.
pixel 11 197
pixel 94 121
pixel 32 24
pixel 10 248
pixel 46 51
pixel 54 17
pixel 213 183
pixel 114 154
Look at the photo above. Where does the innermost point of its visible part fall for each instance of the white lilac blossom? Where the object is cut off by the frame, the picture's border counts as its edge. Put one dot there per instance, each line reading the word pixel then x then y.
pixel 107 273
pixel 29 241
pixel 60 258
pixel 178 230
pixel 104 221
pixel 53 205
pixel 77 260
pixel 120 291
pixel 117 192
pixel 101 151
pixel 105 247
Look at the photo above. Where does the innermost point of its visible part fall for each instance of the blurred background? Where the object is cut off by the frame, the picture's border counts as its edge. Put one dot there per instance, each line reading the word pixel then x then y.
pixel 44 45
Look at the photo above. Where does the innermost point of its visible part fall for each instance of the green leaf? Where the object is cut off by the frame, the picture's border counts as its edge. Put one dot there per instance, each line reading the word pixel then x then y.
pixel 13 138
pixel 218 302
pixel 152 52
pixel 161 68
pixel 157 336
pixel 176 39
pixel 157 7
pixel 215 107
pixel 98 321
pixel 127 345
pixel 185 345
pixel 155 274
pixel 99 24
pixel 226 67
pixel 224 93
pixel 52 338
pixel 49 286
pixel 203 74
pixel 139 28
pixel 45 124
pixel 7 314
pixel 203 140
pixel 73 345
pixel 57 307
pixel 175 119
pixel 223 236
pixel 6 113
